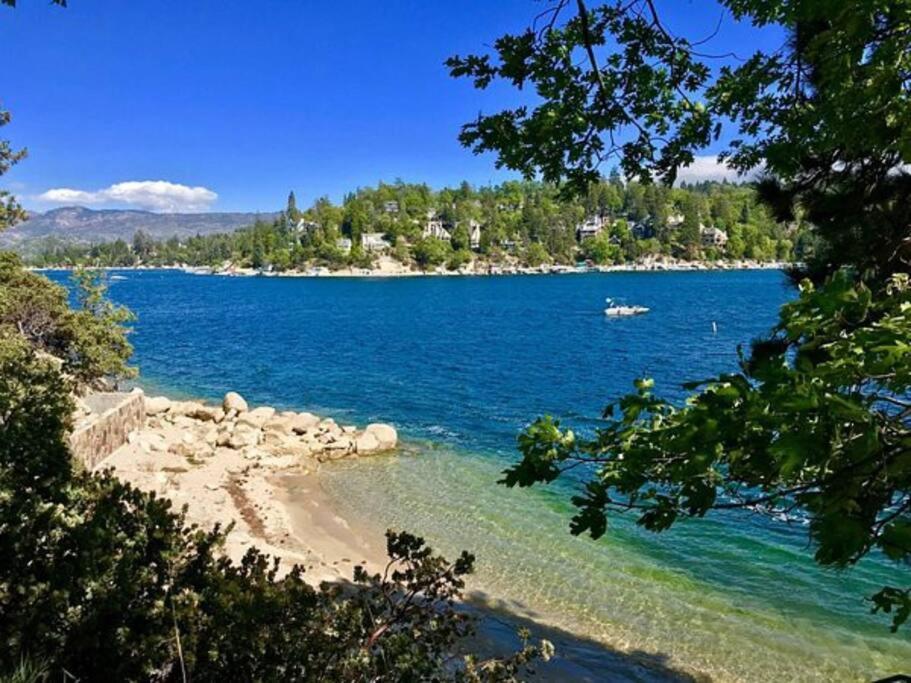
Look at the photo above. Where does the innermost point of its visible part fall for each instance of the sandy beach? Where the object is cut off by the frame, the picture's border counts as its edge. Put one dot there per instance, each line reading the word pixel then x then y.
pixel 239 469
pixel 270 491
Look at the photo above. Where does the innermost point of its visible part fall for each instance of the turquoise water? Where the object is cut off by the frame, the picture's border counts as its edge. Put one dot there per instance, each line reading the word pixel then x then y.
pixel 460 365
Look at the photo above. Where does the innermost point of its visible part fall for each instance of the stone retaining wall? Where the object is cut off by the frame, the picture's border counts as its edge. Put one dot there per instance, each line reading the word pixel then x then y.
pixel 113 417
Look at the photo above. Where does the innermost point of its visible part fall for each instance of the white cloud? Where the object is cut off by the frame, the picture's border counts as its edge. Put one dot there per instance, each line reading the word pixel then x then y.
pixel 152 195
pixel 709 168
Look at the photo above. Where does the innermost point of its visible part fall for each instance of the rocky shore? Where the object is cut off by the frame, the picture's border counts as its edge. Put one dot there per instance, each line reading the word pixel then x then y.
pixel 389 268
pixel 229 464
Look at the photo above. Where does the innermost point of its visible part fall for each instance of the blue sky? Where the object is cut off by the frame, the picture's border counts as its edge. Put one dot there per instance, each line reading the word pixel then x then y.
pixel 232 103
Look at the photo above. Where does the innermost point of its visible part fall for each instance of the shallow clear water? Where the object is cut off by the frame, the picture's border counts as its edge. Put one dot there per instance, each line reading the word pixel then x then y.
pixel 460 365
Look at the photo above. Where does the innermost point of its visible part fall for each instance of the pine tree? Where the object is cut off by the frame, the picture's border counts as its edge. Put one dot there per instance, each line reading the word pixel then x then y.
pixel 292 212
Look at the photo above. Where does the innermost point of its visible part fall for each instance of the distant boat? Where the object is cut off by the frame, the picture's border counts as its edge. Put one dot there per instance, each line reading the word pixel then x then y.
pixel 614 310
pixel 118 277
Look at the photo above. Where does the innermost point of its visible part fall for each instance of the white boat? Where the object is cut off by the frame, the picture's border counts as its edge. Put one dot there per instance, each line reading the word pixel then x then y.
pixel 615 310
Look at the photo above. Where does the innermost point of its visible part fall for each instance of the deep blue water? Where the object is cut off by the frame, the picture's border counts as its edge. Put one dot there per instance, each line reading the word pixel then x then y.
pixel 460 365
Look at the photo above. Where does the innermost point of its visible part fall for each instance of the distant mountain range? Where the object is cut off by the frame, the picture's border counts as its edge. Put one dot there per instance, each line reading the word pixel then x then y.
pixel 77 225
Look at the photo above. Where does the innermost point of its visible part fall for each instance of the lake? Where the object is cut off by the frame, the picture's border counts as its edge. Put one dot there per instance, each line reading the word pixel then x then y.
pixel 460 365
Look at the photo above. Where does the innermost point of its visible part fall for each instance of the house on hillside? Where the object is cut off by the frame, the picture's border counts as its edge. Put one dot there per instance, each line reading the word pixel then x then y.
pixel 303 226
pixel 675 220
pixel 474 234
pixel 591 227
pixel 437 227
pixel 713 237
pixel 344 244
pixel 391 207
pixel 374 241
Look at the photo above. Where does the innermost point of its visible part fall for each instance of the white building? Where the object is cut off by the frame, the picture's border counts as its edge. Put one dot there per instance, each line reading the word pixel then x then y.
pixel 305 226
pixel 474 234
pixel 675 220
pixel 592 227
pixel 374 241
pixel 712 237
pixel 344 244
pixel 391 207
pixel 436 227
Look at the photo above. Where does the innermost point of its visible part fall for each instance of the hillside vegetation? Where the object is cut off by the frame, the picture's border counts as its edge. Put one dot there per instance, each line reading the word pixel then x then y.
pixel 517 222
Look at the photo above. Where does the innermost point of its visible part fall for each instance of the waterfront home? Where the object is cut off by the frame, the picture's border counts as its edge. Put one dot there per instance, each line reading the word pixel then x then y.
pixel 474 234
pixel 344 244
pixel 437 227
pixel 591 227
pixel 374 241
pixel 713 237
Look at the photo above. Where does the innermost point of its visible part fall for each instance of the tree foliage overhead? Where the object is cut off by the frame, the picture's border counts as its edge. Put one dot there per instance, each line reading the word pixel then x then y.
pixel 817 421
pixel 615 83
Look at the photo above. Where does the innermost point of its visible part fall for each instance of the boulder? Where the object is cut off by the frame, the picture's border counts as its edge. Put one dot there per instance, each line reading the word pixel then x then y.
pixel 278 439
pixel 211 436
pixel 280 424
pixel 234 401
pixel 257 417
pixel 187 450
pixel 366 443
pixel 206 413
pixel 244 436
pixel 342 444
pixel 384 433
pixel 301 422
pixel 183 422
pixel 223 438
pixel 156 405
pixel 279 462
pixel 186 408
pixel 153 441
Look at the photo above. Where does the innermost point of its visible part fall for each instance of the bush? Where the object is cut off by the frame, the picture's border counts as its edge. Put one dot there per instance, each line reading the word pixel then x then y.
pixel 431 252
pixel 107 582
pixel 459 258
pixel 91 340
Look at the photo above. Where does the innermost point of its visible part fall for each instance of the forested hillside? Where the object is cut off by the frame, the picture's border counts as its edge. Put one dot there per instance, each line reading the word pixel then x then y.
pixel 521 222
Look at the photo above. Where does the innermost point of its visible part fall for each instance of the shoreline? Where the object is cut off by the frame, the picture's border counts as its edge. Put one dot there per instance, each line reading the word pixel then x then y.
pixel 274 499
pixel 657 266
pixel 236 465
